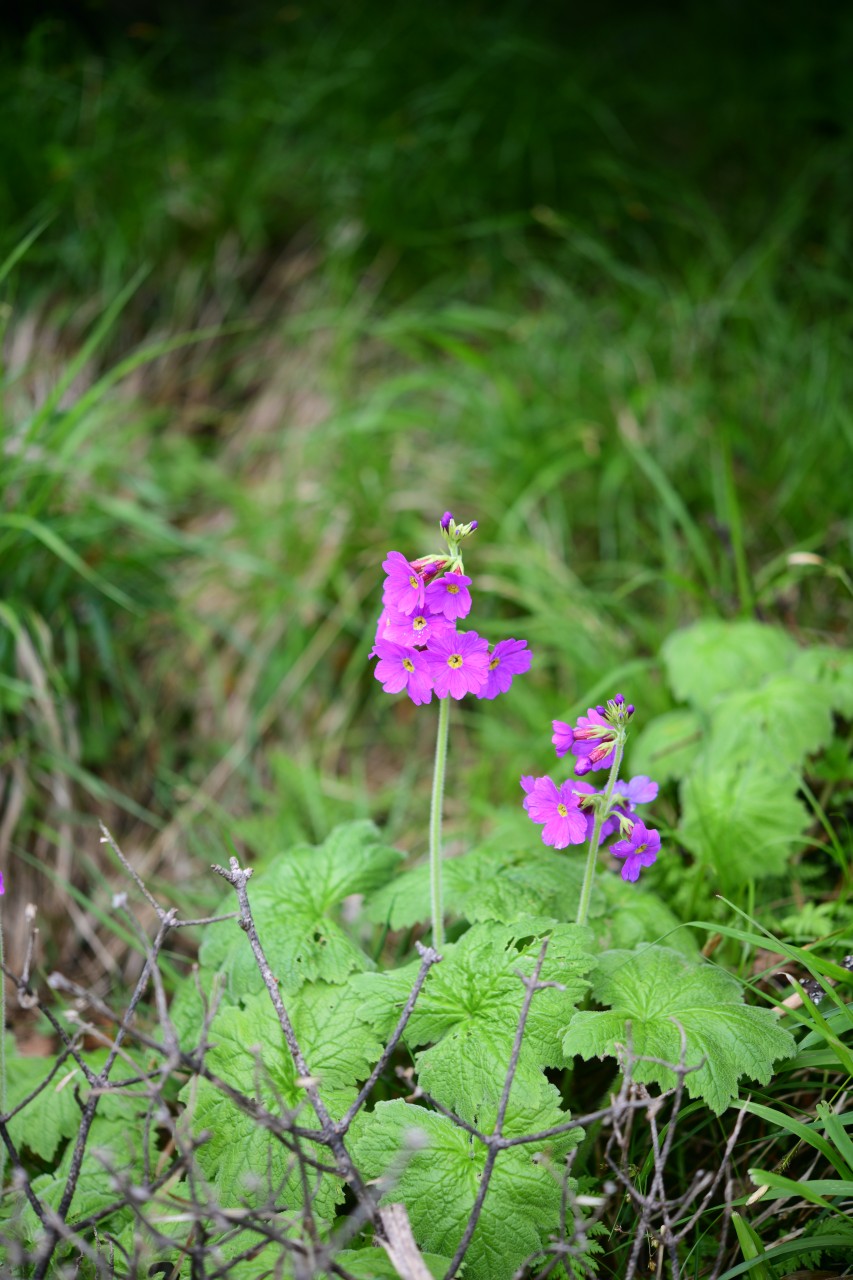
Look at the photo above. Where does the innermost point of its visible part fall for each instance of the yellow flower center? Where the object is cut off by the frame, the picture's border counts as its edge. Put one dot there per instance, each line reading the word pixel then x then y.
pixel 419 624
pixel 562 810
pixel 413 582
pixel 408 665
pixel 495 662
pixel 455 660
pixel 453 588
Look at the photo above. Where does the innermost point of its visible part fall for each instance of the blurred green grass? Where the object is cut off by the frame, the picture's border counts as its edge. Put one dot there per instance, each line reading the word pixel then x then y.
pixel 585 276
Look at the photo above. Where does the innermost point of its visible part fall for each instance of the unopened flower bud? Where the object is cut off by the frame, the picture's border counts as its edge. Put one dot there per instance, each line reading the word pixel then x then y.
pixel 619 699
pixel 600 709
pixel 629 710
pixel 598 753
pixel 446 519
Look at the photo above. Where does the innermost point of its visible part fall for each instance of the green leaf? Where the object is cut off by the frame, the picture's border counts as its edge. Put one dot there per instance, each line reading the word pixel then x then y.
pixel 784 719
pixel 488 884
pixel 832 669
pixel 668 745
pixel 714 657
pixel 744 822
pixel 291 904
pixel 752 1247
pixel 649 993
pixel 469 1008
pixel 439 1177
pixel 53 1115
pixel 248 1051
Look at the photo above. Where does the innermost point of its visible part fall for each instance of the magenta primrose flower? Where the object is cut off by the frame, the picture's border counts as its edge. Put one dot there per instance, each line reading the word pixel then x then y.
pixel 459 662
pixel 639 850
pixel 401 668
pixel 414 629
pixel 404 586
pixel 557 809
pixel 449 595
pixel 508 658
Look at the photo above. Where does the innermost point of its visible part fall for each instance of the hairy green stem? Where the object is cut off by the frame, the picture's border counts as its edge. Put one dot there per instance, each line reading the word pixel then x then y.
pixel 439 771
pixel 595 839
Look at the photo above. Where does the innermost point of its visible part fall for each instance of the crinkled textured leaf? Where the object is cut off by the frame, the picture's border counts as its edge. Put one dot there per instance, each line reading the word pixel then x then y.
pixel 832 669
pixel 634 915
pixel 650 991
pixel 468 1010
pixel 291 903
pixel 714 657
pixel 744 822
pixel 486 884
pixel 53 1115
pixel 339 1051
pixel 782 719
pixel 438 1184
pixel 668 745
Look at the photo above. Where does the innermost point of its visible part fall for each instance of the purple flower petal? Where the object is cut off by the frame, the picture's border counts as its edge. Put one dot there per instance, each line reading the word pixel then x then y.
pixel 563 737
pixel 640 790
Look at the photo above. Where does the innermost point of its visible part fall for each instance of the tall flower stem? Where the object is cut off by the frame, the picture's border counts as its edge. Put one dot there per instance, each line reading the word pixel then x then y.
pixel 439 772
pixel 601 814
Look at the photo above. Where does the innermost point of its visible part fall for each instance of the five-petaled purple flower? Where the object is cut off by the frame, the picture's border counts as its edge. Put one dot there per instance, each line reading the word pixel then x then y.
pixel 450 596
pixel 459 662
pixel 413 629
pixel 404 586
pixel 400 667
pixel 508 658
pixel 639 850
pixel 556 808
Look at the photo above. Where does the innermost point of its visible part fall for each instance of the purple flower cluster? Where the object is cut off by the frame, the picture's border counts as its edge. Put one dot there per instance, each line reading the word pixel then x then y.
pixel 417 642
pixel 567 813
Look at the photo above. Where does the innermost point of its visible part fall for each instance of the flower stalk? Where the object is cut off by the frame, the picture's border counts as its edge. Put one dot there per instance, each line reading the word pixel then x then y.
pixel 602 811
pixel 435 869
